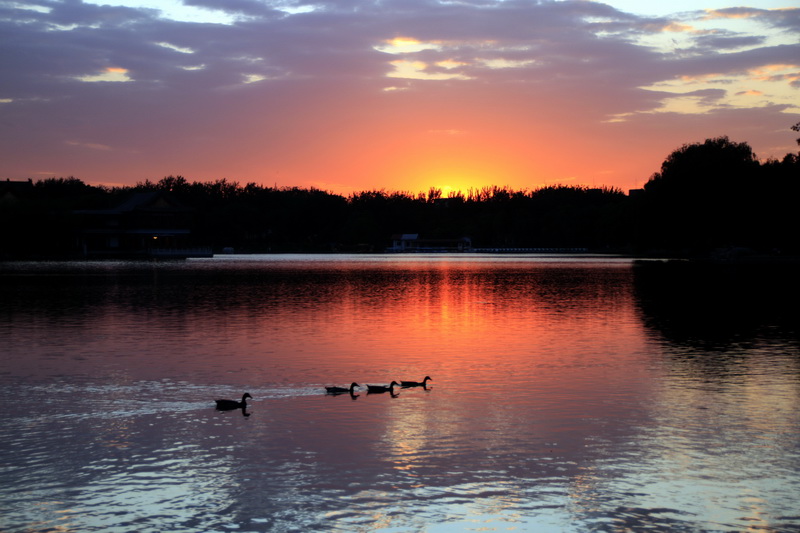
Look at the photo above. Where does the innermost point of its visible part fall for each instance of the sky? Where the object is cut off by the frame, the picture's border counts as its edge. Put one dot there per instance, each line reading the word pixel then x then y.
pixel 397 95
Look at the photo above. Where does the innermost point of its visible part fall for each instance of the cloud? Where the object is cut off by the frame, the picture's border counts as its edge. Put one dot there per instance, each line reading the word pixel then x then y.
pixel 788 18
pixel 113 74
pixel 91 146
pixel 714 43
pixel 275 81
pixel 558 41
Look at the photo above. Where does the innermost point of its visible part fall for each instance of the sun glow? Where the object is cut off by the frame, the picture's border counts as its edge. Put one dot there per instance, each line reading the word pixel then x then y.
pixel 452 182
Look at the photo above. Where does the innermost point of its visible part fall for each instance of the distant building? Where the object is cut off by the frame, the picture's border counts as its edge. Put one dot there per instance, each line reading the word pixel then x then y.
pixel 147 225
pixel 411 243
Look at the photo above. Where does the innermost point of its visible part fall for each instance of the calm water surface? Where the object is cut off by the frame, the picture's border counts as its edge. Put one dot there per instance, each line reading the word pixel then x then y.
pixel 568 394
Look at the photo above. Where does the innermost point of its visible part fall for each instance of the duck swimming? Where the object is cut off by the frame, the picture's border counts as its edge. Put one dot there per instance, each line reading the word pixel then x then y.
pixel 342 390
pixel 382 388
pixel 227 405
pixel 423 383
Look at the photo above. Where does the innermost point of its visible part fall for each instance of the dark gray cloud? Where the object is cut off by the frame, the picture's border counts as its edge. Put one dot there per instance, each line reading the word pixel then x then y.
pixel 714 43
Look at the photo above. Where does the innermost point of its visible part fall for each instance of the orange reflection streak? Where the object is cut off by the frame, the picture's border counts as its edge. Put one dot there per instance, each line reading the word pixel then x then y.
pixel 497 343
pixel 453 312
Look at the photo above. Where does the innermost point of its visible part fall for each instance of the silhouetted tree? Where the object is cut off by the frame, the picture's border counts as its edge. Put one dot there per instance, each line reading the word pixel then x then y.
pixel 698 200
pixel 41 223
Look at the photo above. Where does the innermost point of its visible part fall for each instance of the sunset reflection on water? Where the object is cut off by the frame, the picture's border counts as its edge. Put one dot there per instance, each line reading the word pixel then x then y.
pixel 568 394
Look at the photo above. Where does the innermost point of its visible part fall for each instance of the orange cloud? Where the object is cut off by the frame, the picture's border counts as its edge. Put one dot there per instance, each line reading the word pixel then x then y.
pixel 418 70
pixel 776 72
pixel 700 77
pixel 450 64
pixel 740 13
pixel 114 74
pixel 406 45
pixel 674 27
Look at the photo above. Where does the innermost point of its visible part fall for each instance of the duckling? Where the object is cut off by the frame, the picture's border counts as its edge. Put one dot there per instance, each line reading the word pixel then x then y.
pixel 423 383
pixel 342 390
pixel 227 405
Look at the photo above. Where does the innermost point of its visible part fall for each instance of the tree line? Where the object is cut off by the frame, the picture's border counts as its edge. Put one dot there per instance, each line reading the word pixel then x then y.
pixel 707 196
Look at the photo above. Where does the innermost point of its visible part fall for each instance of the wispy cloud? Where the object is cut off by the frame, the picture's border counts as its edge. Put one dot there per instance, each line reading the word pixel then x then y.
pixel 113 74
pixel 91 146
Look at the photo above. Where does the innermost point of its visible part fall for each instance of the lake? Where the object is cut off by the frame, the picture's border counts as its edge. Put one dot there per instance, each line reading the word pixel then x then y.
pixel 568 393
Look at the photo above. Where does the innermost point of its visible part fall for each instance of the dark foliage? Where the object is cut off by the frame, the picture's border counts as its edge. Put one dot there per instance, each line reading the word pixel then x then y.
pixel 707 196
pixel 716 194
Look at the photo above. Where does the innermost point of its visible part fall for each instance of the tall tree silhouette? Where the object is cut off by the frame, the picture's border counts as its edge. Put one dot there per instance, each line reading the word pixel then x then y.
pixel 698 201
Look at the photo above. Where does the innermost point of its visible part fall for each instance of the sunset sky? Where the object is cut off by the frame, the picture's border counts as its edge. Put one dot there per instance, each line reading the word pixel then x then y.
pixel 401 95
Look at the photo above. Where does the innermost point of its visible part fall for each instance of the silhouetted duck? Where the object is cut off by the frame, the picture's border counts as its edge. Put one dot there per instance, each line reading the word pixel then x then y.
pixel 342 390
pixel 382 388
pixel 423 383
pixel 227 405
